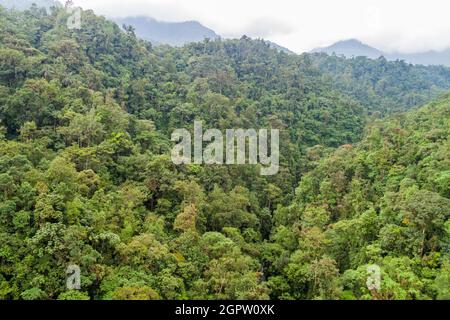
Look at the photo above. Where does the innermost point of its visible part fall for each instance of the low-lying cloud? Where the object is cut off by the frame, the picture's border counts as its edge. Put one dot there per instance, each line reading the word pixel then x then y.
pixel 302 25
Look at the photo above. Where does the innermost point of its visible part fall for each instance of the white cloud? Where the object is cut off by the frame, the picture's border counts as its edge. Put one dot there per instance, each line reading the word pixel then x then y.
pixel 266 27
pixel 400 25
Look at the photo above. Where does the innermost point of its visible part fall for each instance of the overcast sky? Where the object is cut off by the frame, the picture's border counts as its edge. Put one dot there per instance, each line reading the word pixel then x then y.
pixel 301 25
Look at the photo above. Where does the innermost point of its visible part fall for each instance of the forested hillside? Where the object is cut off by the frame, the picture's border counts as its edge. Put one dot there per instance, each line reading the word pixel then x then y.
pixel 384 201
pixel 384 86
pixel 86 176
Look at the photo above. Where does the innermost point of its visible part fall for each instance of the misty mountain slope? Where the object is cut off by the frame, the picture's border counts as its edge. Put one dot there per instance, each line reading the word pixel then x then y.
pixel 355 48
pixel 425 58
pixel 176 33
pixel 351 48
pixel 171 33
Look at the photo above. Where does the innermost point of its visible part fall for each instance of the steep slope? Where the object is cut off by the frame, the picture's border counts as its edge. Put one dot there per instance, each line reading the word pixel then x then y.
pixel 384 201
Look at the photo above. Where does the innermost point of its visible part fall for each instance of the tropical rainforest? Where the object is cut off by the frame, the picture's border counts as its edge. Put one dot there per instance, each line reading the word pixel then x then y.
pixel 86 176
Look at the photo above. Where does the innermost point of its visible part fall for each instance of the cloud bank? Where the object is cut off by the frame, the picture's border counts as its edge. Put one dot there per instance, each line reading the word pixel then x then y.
pixel 301 25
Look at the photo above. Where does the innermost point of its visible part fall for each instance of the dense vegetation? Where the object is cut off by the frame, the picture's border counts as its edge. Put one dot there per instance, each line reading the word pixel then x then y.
pixel 382 86
pixel 385 202
pixel 86 176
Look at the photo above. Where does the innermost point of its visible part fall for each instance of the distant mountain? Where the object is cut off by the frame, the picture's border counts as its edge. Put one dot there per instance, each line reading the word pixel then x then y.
pixel 354 48
pixel 171 33
pixel 351 48
pixel 26 4
pixel 425 58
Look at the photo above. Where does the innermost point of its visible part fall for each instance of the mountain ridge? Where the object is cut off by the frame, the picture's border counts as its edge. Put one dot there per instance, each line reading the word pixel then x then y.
pixel 355 48
pixel 171 33
pixel 349 48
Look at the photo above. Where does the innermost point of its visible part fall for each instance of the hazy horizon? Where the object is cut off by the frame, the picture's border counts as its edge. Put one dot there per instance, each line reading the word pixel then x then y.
pixel 400 26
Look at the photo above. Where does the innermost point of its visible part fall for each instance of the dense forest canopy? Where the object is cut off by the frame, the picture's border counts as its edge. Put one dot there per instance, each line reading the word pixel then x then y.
pixel 384 86
pixel 86 176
